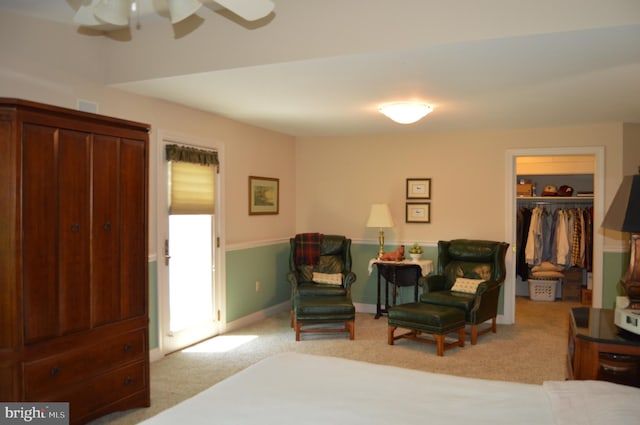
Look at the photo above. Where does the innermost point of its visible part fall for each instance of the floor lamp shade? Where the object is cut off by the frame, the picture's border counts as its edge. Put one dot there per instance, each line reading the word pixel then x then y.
pixel 624 216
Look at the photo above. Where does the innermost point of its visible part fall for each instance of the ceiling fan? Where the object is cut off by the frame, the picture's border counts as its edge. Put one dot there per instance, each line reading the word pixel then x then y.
pixel 113 14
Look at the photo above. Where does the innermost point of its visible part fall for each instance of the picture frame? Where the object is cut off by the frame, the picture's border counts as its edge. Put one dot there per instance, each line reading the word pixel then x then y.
pixel 264 195
pixel 419 188
pixel 418 212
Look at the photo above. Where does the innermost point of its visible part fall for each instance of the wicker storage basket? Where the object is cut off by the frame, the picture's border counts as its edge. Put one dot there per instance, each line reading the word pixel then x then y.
pixel 543 289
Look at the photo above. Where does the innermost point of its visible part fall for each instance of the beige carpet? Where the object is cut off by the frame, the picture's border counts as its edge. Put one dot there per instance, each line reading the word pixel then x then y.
pixel 532 350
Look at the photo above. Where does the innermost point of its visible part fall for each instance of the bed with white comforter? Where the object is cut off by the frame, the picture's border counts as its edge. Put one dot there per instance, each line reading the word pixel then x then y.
pixel 307 389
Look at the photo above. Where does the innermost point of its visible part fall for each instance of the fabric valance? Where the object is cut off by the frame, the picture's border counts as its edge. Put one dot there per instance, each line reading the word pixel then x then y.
pixel 191 155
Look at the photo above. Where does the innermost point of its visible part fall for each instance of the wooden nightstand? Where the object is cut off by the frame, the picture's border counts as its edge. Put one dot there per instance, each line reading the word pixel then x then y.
pixel 599 350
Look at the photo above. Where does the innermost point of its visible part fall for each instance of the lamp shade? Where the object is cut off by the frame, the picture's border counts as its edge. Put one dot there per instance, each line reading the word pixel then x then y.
pixel 380 216
pixel 624 213
pixel 405 112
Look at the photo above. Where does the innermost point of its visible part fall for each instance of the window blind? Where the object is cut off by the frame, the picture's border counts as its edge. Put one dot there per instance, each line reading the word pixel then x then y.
pixel 191 180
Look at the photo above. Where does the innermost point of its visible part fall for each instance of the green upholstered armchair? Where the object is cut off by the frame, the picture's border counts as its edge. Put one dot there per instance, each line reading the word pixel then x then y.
pixel 479 267
pixel 326 256
pixel 320 265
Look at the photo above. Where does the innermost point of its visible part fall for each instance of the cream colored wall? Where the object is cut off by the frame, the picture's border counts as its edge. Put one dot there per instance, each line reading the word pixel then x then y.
pixel 51 63
pixel 340 177
pixel 631 157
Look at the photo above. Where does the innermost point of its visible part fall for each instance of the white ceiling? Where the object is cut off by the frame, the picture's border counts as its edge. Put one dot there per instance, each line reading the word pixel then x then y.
pixel 322 67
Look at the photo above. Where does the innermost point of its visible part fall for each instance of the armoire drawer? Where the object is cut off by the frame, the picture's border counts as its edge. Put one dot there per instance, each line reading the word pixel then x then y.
pixel 100 391
pixel 55 372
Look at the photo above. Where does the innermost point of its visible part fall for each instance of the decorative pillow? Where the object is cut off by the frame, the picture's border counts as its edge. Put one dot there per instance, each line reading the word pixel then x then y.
pixel 329 278
pixel 466 285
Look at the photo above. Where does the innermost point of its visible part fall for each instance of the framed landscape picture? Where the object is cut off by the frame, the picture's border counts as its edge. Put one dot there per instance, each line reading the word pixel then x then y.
pixel 418 212
pixel 264 195
pixel 418 188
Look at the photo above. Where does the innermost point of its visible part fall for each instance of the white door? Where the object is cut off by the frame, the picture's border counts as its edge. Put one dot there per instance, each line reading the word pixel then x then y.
pixel 187 272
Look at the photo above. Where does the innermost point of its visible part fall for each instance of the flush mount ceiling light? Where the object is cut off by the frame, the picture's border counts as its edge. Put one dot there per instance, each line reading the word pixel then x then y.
pixel 405 112
pixel 114 14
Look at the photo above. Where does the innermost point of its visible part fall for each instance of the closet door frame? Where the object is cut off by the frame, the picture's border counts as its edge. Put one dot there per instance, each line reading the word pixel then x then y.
pixel 508 316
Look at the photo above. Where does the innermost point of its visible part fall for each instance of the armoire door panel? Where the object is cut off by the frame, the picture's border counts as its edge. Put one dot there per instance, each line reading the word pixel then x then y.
pixel 39 232
pixel 11 332
pixel 74 230
pixel 133 212
pixel 105 257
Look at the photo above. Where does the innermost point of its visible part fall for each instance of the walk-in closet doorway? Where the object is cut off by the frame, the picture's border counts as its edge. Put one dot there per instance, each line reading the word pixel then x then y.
pixel 508 315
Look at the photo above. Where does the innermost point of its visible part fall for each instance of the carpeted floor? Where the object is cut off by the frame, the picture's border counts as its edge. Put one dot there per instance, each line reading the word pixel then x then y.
pixel 532 350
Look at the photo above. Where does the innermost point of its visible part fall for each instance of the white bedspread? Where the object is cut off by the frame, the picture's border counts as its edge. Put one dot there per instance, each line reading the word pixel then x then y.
pixel 307 389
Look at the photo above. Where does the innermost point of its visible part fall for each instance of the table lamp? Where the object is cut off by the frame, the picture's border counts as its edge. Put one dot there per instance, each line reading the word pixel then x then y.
pixel 624 216
pixel 380 217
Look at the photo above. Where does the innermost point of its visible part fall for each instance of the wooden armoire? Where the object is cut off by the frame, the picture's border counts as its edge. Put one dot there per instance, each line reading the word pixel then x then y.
pixel 73 259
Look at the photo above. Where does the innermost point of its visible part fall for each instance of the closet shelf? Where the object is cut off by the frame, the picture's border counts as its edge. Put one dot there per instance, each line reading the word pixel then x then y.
pixel 557 198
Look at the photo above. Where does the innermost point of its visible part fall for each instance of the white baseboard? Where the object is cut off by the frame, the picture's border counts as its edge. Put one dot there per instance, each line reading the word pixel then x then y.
pixel 255 317
pixel 365 308
pixel 155 355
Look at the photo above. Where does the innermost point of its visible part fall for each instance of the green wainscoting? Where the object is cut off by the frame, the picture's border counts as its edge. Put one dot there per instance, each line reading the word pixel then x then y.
pixel 270 264
pixel 267 264
pixel 154 318
pixel 615 264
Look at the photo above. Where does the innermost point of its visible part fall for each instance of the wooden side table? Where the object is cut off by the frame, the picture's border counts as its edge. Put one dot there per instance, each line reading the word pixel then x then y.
pixel 398 274
pixel 599 350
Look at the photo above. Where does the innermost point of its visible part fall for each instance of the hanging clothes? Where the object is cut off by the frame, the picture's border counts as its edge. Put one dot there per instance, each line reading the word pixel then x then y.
pixel 563 246
pixel 533 248
pixel 522 231
pixel 562 236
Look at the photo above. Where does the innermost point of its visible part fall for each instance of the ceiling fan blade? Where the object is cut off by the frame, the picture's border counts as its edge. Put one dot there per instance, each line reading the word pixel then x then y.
pixel 250 10
pixel 85 17
pixel 114 12
pixel 182 9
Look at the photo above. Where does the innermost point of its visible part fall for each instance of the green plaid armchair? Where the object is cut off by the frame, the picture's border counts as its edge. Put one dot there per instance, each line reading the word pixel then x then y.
pixel 325 257
pixel 320 265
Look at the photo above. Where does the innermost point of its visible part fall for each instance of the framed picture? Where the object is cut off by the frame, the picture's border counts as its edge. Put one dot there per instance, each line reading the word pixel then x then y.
pixel 418 212
pixel 264 195
pixel 418 188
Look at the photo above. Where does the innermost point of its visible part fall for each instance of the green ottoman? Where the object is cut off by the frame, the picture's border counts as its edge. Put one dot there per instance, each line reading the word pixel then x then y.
pixel 434 320
pixel 323 309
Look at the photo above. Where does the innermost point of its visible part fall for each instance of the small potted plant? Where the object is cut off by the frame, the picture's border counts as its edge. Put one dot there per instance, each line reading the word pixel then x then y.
pixel 415 252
